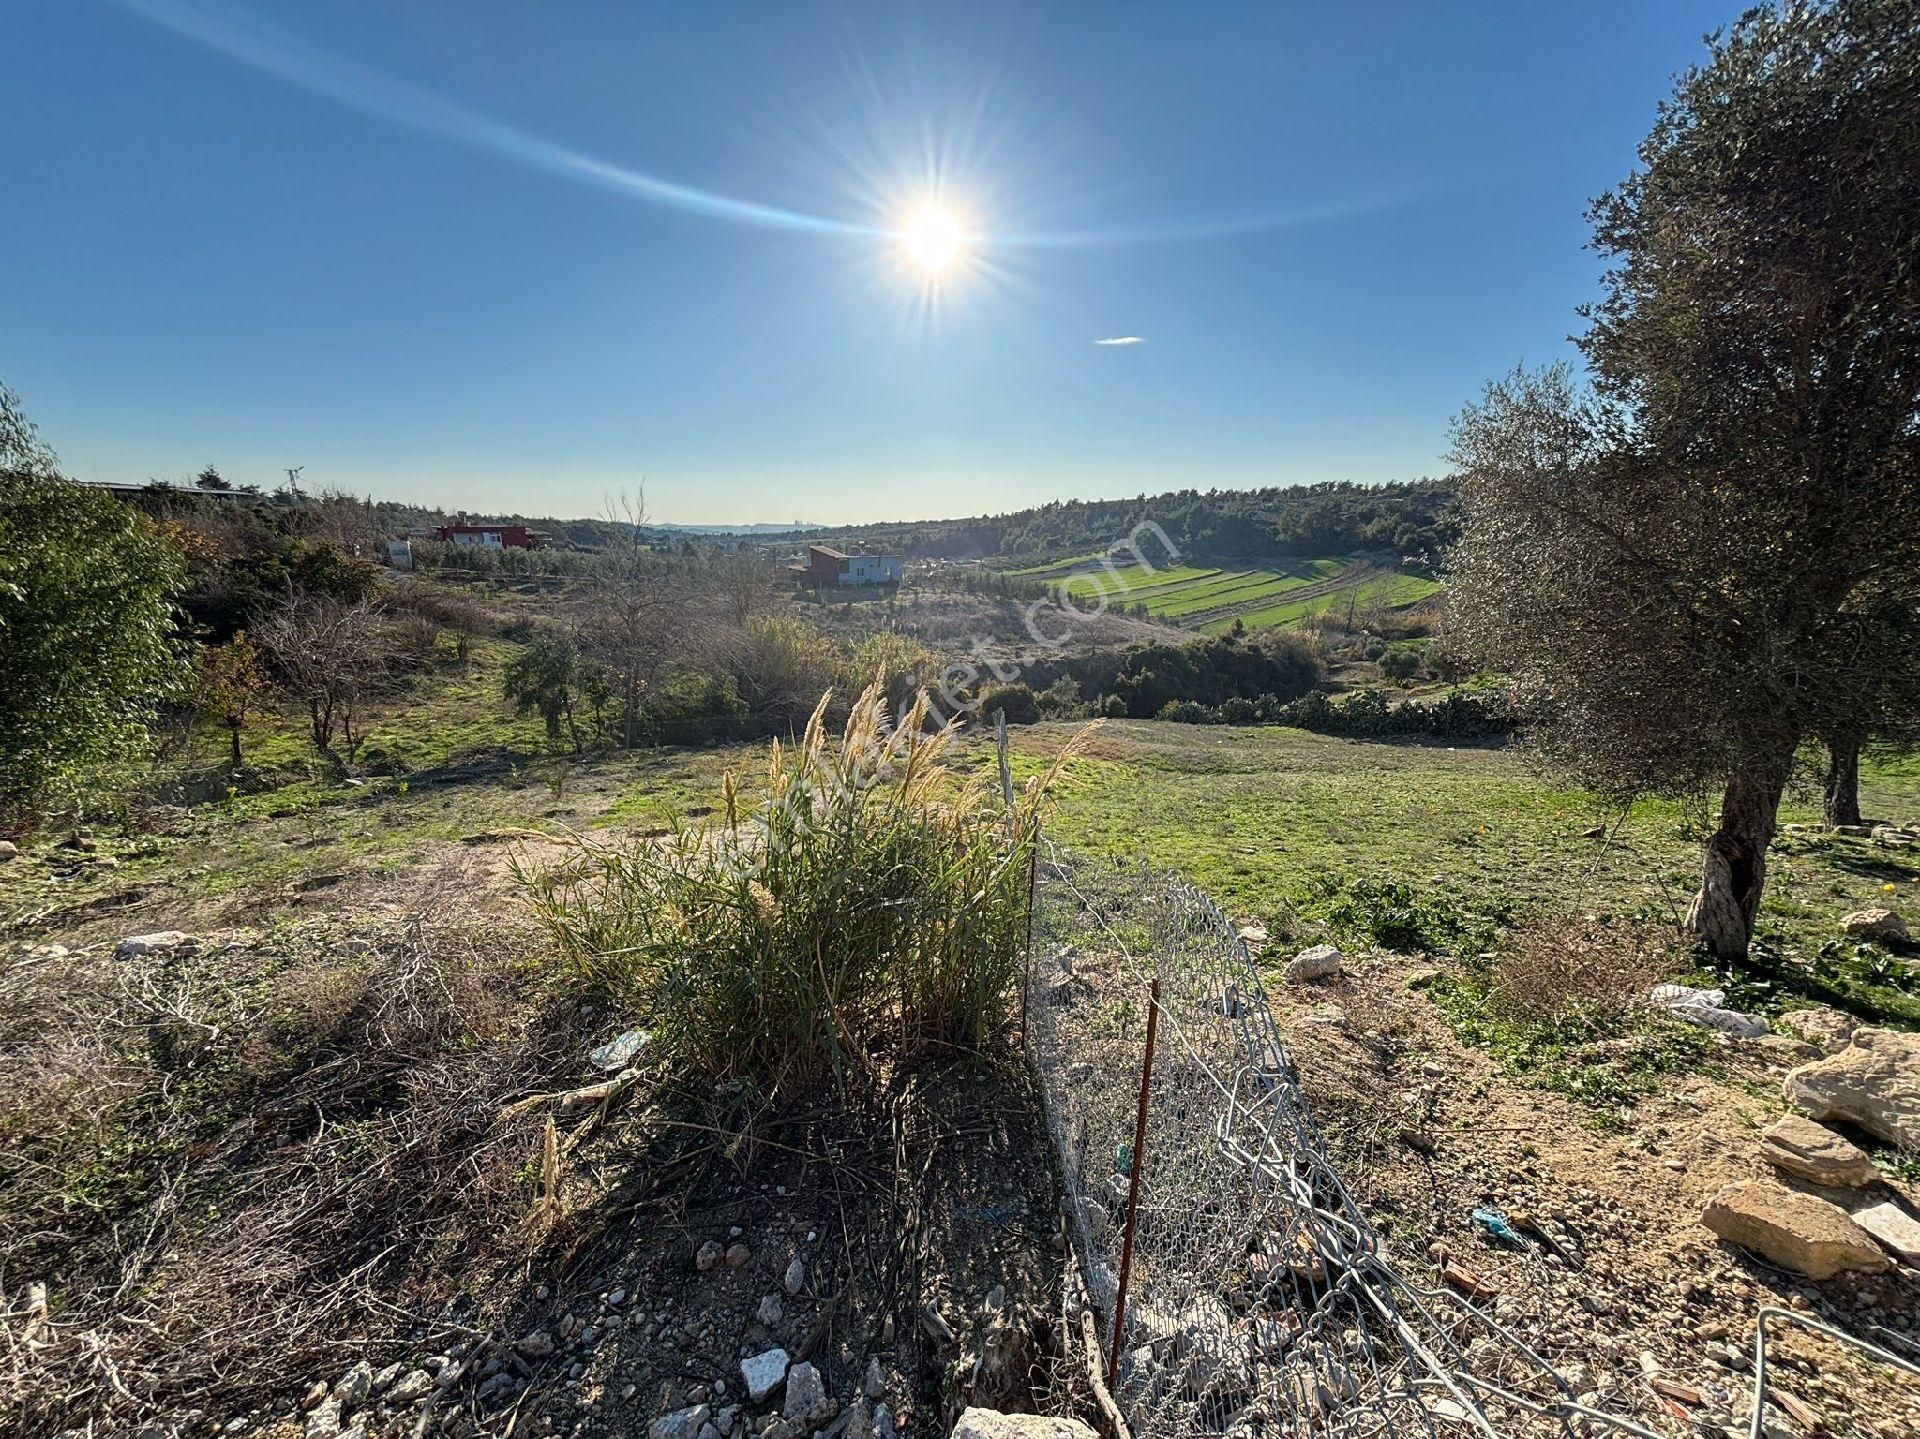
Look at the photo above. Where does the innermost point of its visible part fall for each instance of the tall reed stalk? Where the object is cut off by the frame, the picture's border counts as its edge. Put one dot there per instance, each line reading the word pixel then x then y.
pixel 872 902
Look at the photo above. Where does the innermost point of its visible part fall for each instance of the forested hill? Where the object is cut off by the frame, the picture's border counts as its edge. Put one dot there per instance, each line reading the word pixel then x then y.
pixel 1412 520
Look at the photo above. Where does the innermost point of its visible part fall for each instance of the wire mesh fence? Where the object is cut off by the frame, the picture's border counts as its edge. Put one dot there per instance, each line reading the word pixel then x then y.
pixel 1249 1296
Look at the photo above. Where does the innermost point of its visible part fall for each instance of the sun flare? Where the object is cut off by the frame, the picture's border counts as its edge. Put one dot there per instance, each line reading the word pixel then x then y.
pixel 933 240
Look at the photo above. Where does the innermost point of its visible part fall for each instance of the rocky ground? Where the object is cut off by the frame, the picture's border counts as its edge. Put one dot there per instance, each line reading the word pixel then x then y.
pixel 1646 1254
pixel 352 1171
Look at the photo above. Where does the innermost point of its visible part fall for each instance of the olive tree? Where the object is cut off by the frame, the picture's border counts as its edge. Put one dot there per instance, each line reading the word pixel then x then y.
pixel 87 650
pixel 1713 556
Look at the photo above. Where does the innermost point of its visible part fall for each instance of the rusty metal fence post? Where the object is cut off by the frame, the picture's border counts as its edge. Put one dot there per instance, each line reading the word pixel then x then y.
pixel 1139 1160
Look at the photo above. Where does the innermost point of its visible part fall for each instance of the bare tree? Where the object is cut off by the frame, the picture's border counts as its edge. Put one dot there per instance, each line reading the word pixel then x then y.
pixel 745 584
pixel 637 616
pixel 329 656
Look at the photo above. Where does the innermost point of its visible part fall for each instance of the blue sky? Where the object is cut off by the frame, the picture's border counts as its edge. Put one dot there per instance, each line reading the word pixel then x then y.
pixel 433 251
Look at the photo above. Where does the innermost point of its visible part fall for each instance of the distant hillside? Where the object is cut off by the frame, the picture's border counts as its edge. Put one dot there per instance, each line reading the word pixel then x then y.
pixel 1411 521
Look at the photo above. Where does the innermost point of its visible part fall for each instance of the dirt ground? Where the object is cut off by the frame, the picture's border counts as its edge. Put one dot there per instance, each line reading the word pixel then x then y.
pixel 1427 1130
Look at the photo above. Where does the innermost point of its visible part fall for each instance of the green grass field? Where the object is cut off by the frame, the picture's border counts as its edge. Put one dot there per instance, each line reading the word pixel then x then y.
pixel 1210 599
pixel 1279 824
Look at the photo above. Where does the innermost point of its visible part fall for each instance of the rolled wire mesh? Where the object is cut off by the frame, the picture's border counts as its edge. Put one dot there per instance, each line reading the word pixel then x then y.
pixel 1258 1299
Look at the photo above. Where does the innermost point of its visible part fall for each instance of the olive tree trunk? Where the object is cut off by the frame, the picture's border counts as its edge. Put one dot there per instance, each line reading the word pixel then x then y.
pixel 1842 803
pixel 1735 871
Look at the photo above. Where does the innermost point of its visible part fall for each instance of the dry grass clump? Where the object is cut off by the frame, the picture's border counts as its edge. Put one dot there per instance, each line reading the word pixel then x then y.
pixel 872 900
pixel 1580 971
pixel 220 1174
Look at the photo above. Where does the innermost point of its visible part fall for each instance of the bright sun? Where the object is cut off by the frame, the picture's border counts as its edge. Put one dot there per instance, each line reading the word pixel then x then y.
pixel 933 240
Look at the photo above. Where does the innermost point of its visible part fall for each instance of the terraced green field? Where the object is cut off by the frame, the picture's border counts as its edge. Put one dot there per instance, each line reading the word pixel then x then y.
pixel 1392 591
pixel 1210 599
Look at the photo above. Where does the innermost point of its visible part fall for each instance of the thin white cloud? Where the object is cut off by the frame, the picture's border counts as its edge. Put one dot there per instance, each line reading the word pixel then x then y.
pixel 1123 340
pixel 250 40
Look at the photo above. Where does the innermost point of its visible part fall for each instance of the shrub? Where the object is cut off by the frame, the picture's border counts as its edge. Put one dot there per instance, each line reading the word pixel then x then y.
pixel 1402 662
pixel 1016 699
pixel 1062 700
pixel 1187 712
pixel 1583 975
pixel 86 636
pixel 872 900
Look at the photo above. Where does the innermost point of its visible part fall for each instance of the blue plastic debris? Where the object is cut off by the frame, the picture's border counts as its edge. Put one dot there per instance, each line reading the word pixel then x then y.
pixel 1495 1224
pixel 619 1052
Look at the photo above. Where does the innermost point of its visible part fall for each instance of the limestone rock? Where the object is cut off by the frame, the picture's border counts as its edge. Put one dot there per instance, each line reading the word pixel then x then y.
pixel 1320 962
pixel 681 1424
pixel 808 1403
pixel 8 850
pixel 764 1373
pixel 771 1310
pixel 1874 1082
pixel 165 941
pixel 1898 1230
pixel 795 1279
pixel 1824 1027
pixel 324 1421
pixel 991 1424
pixel 1815 1153
pixel 353 1389
pixel 1881 926
pixel 1796 1231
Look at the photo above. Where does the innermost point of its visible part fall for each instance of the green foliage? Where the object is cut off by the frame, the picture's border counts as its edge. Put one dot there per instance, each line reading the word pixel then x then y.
pixel 86 637
pixel 1394 915
pixel 546 678
pixel 1015 700
pixel 1603 1060
pixel 1214 670
pixel 871 900
pixel 1459 714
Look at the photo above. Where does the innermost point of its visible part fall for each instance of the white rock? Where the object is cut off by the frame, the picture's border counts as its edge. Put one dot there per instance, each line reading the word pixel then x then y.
pixel 354 1386
pixel 807 1401
pixel 681 1424
pixel 324 1421
pixel 1897 1230
pixel 771 1310
pixel 411 1386
pixel 796 1276
pixel 875 1381
pixel 764 1373
pixel 1320 962
pixel 991 1424
pixel 165 941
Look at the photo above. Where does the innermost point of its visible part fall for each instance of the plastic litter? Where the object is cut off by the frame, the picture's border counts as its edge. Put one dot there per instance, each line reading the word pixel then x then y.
pixel 1707 1008
pixel 1495 1224
pixel 618 1053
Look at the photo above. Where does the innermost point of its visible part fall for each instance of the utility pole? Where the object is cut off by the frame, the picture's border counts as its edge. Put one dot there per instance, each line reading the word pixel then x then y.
pixel 293 479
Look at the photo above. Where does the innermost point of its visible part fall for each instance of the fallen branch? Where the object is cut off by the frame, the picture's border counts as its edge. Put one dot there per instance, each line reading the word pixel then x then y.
pixel 1109 1411
pixel 568 1101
